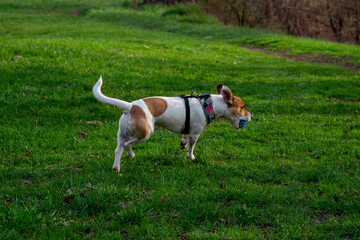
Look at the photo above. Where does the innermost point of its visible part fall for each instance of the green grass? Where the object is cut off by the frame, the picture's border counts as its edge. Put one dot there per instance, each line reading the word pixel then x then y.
pixel 292 173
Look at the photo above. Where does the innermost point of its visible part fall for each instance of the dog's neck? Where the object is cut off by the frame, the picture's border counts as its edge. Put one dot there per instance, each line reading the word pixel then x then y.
pixel 219 105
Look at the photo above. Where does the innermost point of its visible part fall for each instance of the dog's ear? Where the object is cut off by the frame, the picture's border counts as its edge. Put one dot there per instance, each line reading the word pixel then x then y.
pixel 227 95
pixel 218 88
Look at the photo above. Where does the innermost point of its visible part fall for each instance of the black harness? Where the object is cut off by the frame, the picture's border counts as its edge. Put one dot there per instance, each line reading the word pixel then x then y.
pixel 186 128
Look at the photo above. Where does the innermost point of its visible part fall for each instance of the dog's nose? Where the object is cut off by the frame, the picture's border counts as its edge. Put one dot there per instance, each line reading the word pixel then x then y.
pixel 251 116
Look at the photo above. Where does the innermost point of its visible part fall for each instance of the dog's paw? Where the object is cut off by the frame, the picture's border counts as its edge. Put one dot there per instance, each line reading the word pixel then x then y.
pixel 191 157
pixel 183 144
pixel 116 169
pixel 131 154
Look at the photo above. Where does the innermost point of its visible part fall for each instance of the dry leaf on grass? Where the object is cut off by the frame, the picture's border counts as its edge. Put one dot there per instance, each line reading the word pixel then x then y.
pixel 69 191
pixel 82 134
pixel 14 58
pixel 7 202
pixel 124 233
pixel 27 182
pixel 28 154
pixel 69 199
pixel 95 122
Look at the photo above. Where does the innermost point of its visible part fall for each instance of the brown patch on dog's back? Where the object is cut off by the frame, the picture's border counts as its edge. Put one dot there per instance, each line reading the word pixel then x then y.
pixel 156 106
pixel 138 124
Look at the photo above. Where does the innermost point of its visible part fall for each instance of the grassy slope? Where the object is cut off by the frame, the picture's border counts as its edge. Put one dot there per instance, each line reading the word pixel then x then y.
pixel 292 173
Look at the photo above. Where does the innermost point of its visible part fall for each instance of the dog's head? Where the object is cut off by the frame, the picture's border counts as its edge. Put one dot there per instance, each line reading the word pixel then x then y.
pixel 235 111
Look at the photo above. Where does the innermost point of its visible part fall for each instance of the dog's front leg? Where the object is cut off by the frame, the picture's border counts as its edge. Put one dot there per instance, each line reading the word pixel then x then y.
pixel 191 146
pixel 184 141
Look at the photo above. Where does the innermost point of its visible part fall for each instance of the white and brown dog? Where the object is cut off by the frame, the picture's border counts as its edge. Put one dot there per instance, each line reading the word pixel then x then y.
pixel 140 117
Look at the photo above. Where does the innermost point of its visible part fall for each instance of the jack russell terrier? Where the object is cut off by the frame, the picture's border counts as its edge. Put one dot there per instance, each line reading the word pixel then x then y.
pixel 140 117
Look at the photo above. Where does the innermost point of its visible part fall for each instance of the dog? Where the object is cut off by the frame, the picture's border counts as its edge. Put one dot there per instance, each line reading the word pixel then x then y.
pixel 140 117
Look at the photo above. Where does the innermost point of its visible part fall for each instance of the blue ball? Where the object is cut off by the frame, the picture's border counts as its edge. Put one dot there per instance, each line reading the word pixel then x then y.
pixel 242 123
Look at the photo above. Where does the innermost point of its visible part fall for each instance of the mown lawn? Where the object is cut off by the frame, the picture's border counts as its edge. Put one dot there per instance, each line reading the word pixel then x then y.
pixel 292 173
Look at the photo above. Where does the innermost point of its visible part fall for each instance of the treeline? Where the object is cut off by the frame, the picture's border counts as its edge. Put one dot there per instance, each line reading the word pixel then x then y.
pixel 337 20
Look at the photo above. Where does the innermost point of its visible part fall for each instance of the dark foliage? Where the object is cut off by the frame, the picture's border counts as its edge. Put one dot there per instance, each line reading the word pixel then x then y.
pixel 336 20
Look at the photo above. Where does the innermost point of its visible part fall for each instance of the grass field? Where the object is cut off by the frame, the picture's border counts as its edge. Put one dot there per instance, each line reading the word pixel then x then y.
pixel 291 174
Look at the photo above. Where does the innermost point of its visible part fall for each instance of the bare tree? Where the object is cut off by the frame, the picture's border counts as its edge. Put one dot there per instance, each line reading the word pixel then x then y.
pixel 236 11
pixel 357 21
pixel 337 20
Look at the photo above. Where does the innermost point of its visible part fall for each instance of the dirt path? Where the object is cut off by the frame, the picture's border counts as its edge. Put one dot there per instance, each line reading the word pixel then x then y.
pixel 314 58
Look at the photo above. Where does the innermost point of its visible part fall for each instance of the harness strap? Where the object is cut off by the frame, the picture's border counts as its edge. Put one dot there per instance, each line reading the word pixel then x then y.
pixel 208 115
pixel 206 103
pixel 186 128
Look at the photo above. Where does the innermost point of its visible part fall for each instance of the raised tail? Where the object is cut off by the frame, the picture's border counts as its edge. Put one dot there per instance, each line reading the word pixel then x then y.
pixel 112 101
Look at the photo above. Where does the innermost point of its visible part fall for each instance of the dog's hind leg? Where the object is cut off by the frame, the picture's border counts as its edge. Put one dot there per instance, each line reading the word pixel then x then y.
pixel 130 152
pixel 122 137
pixel 128 145
pixel 140 129
pixel 119 150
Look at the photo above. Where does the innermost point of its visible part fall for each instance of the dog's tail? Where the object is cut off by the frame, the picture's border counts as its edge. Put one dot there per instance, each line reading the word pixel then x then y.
pixel 112 101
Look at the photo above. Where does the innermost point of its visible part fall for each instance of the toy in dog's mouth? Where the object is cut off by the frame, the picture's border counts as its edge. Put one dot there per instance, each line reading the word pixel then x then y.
pixel 242 123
